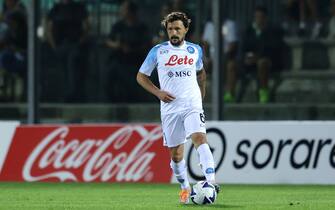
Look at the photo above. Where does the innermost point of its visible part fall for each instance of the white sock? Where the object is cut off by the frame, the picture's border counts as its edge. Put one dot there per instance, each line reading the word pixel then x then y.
pixel 207 162
pixel 179 170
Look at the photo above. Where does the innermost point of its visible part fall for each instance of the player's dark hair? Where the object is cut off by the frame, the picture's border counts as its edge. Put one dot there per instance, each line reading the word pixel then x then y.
pixel 174 16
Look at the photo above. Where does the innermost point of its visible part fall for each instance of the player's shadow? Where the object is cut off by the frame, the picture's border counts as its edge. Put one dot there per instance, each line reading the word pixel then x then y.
pixel 225 206
pixel 218 206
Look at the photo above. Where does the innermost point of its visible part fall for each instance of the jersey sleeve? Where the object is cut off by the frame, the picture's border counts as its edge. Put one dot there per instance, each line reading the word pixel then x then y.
pixel 199 65
pixel 150 62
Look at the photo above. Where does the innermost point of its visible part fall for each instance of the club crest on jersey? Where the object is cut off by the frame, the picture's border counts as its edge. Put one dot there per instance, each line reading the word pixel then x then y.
pixel 175 60
pixel 190 49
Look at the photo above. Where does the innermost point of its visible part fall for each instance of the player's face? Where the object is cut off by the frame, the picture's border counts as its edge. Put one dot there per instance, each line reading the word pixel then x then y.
pixel 176 32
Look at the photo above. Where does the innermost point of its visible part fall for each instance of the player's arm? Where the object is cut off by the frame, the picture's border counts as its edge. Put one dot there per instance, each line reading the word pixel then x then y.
pixel 201 77
pixel 146 83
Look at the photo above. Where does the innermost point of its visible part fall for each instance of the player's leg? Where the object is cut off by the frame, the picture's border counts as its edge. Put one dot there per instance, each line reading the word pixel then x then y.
pixel 174 139
pixel 206 158
pixel 178 165
pixel 205 155
pixel 196 130
pixel 263 68
pixel 179 169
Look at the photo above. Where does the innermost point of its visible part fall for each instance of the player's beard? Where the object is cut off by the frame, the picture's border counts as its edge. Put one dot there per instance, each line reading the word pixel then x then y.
pixel 176 41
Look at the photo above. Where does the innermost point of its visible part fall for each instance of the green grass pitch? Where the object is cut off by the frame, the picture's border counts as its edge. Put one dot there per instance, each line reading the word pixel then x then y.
pixel 160 196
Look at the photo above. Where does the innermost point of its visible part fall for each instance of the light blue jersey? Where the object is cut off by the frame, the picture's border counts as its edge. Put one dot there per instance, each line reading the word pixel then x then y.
pixel 177 68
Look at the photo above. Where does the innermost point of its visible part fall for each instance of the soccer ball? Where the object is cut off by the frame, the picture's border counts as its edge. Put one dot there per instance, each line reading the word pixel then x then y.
pixel 203 193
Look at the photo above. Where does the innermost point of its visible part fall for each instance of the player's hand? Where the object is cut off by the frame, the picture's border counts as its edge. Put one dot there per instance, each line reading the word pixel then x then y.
pixel 165 96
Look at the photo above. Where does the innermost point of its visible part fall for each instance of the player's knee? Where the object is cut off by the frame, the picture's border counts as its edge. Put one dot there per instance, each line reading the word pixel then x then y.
pixel 177 157
pixel 198 139
pixel 177 153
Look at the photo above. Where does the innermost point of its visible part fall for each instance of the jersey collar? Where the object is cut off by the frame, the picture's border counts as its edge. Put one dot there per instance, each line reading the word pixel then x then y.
pixel 182 46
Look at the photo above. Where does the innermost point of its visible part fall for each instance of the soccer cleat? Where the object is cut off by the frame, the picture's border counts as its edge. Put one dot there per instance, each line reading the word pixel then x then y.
pixel 217 188
pixel 184 196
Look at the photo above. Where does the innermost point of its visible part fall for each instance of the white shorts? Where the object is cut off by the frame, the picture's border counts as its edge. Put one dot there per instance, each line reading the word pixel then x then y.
pixel 178 127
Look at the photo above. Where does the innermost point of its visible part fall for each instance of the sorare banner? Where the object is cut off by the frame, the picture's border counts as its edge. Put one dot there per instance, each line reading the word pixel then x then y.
pixel 263 152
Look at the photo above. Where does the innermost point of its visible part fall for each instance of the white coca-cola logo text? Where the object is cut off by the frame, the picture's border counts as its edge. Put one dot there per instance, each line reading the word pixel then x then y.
pixel 98 163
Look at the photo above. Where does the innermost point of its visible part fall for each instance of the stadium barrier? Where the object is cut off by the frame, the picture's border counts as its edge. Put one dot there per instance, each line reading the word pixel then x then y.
pixel 293 152
pixel 297 152
pixel 87 153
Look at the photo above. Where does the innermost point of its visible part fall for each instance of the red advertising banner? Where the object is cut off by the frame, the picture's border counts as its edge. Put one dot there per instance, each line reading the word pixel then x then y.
pixel 87 153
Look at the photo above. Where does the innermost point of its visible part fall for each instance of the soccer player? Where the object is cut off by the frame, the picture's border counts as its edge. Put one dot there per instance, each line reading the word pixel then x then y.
pixel 182 88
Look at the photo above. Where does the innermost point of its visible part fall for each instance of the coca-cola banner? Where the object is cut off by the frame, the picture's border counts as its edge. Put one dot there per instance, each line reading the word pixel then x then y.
pixel 87 153
pixel 296 152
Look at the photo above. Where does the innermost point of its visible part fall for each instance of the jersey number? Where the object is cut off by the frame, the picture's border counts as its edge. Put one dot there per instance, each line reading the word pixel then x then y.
pixel 202 117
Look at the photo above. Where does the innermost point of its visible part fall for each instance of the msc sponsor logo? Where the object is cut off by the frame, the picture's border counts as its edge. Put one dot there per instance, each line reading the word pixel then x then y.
pixel 179 74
